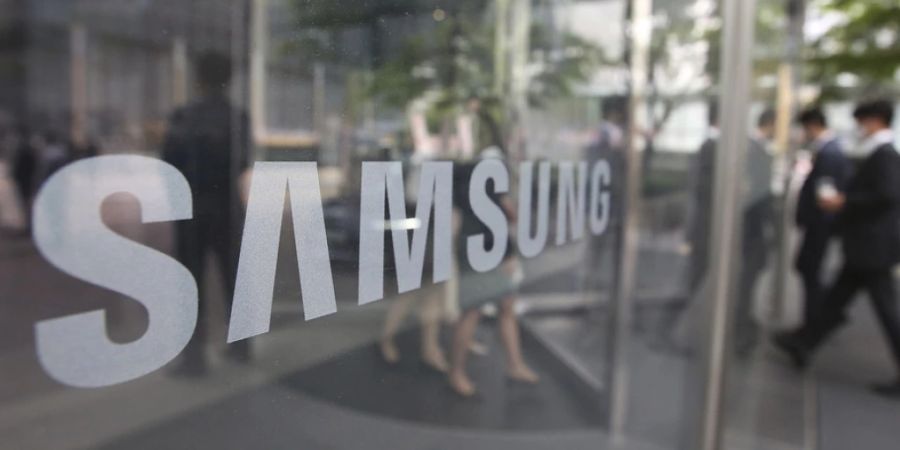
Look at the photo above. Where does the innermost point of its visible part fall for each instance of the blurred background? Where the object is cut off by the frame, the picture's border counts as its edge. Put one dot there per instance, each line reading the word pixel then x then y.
pixel 651 335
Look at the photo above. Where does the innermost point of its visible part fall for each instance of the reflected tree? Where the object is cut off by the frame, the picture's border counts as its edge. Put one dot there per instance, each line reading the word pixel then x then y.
pixel 446 54
pixel 861 47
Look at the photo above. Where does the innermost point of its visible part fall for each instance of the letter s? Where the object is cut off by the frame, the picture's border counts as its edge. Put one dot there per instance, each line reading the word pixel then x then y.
pixel 490 213
pixel 69 232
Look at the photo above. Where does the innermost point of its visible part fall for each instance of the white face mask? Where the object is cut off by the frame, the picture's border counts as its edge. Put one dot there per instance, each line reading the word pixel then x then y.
pixel 869 143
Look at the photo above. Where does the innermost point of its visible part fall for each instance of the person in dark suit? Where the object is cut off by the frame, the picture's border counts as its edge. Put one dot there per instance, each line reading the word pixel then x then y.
pixel 831 169
pixel 699 227
pixel 702 197
pixel 209 142
pixel 664 334
pixel 868 215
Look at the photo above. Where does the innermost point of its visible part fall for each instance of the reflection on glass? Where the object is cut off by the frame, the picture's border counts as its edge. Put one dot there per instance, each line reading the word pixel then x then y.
pixel 213 89
pixel 209 141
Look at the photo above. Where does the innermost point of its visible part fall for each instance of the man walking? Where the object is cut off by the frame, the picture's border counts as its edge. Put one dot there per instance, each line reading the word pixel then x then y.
pixel 830 172
pixel 868 214
pixel 209 142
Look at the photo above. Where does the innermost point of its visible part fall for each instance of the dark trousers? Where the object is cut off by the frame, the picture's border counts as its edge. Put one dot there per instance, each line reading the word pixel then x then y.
pixel 814 294
pixel 879 284
pixel 214 232
pixel 810 261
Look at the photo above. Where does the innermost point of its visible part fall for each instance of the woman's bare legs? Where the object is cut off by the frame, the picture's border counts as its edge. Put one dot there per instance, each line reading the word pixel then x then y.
pixel 462 341
pixel 430 312
pixel 516 367
pixel 392 321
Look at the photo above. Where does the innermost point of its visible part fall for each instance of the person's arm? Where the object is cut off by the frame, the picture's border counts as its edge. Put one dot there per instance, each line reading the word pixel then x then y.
pixel 833 164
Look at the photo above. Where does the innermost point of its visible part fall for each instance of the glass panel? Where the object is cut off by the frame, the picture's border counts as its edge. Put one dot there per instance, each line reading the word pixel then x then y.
pixel 766 405
pixel 678 133
pixel 326 224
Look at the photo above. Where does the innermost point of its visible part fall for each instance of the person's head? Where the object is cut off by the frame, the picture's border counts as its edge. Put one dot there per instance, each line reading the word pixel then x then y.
pixel 813 122
pixel 213 71
pixel 874 116
pixel 766 124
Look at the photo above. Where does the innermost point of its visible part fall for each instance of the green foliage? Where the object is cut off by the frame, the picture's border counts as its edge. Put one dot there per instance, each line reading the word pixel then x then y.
pixel 342 13
pixel 560 68
pixel 864 44
pixel 451 60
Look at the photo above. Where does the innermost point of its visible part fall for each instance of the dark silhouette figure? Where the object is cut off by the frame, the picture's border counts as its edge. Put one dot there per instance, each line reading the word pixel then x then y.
pixel 757 215
pixel 25 168
pixel 867 216
pixel 756 231
pixel 54 154
pixel 698 233
pixel 209 141
pixel 703 180
pixel 830 168
pixel 476 289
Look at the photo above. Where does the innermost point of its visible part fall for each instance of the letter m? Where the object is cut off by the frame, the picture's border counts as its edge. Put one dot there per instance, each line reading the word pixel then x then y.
pixel 382 180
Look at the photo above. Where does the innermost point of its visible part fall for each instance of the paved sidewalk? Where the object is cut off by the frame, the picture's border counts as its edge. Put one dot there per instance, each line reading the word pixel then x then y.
pixel 849 415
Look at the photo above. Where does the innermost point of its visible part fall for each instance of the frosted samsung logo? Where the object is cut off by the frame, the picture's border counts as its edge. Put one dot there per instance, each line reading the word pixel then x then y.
pixel 69 232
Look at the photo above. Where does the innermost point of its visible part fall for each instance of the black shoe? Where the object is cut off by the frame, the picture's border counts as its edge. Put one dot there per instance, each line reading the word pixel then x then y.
pixel 889 390
pixel 798 354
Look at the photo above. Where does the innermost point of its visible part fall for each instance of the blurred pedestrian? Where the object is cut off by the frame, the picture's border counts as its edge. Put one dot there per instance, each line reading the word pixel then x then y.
pixel 208 141
pixel 53 154
pixel 498 286
pixel 699 229
pixel 867 222
pixel 830 172
pixel 25 167
pixel 757 230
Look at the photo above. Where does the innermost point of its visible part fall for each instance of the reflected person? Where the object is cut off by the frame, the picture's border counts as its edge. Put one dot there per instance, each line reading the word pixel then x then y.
pixel 429 300
pixel 607 144
pixel 698 233
pixel 756 210
pixel 868 213
pixel 703 190
pixel 475 289
pixel 209 141
pixel 830 171
pixel 756 230
pixel 430 303
pixel 25 168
